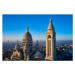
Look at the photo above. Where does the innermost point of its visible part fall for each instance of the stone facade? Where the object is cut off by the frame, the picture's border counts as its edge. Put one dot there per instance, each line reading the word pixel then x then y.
pixel 50 42
pixel 27 44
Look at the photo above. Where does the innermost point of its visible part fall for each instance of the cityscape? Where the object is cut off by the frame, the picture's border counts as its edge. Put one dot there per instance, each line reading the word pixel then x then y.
pixel 49 48
pixel 64 49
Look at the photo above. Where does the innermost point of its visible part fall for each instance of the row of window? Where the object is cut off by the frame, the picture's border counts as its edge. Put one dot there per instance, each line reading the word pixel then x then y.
pixel 26 40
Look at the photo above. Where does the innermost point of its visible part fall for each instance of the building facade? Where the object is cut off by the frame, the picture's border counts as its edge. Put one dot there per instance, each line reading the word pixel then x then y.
pixel 27 44
pixel 16 55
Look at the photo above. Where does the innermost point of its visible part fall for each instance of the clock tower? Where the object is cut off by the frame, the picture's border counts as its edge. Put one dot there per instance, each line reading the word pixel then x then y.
pixel 50 42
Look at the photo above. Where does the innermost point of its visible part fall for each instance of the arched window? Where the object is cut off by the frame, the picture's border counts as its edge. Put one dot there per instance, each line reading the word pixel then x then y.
pixel 49 36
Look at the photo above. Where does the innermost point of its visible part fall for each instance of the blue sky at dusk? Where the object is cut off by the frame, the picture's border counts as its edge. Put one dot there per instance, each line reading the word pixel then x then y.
pixel 15 26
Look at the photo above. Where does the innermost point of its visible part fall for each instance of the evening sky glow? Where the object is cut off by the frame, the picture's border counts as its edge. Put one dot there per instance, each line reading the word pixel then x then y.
pixel 15 26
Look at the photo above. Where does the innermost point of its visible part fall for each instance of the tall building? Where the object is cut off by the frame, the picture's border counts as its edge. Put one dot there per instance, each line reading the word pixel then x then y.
pixel 27 44
pixel 50 42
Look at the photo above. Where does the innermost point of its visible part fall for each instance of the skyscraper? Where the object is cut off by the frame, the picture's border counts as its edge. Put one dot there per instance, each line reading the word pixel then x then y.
pixel 50 42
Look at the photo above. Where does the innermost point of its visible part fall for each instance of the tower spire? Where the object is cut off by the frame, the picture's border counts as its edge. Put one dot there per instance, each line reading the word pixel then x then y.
pixel 50 20
pixel 27 28
pixel 50 25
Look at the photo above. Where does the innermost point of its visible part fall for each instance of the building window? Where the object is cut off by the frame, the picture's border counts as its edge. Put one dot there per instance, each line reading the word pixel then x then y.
pixel 49 36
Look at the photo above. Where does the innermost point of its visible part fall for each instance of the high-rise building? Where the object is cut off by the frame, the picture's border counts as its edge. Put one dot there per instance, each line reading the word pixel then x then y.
pixel 50 42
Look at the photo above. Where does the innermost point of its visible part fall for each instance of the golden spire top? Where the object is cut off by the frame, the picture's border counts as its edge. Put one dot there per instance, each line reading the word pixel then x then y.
pixel 27 28
pixel 50 20
pixel 50 25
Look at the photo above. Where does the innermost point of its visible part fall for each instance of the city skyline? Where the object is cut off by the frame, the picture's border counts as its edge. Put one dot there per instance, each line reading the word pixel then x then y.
pixel 14 26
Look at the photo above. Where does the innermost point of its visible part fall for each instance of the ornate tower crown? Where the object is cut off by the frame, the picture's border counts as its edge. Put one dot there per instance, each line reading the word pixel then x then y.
pixel 50 25
pixel 50 20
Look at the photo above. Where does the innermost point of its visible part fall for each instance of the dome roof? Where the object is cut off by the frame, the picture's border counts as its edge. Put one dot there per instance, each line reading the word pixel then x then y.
pixel 27 35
